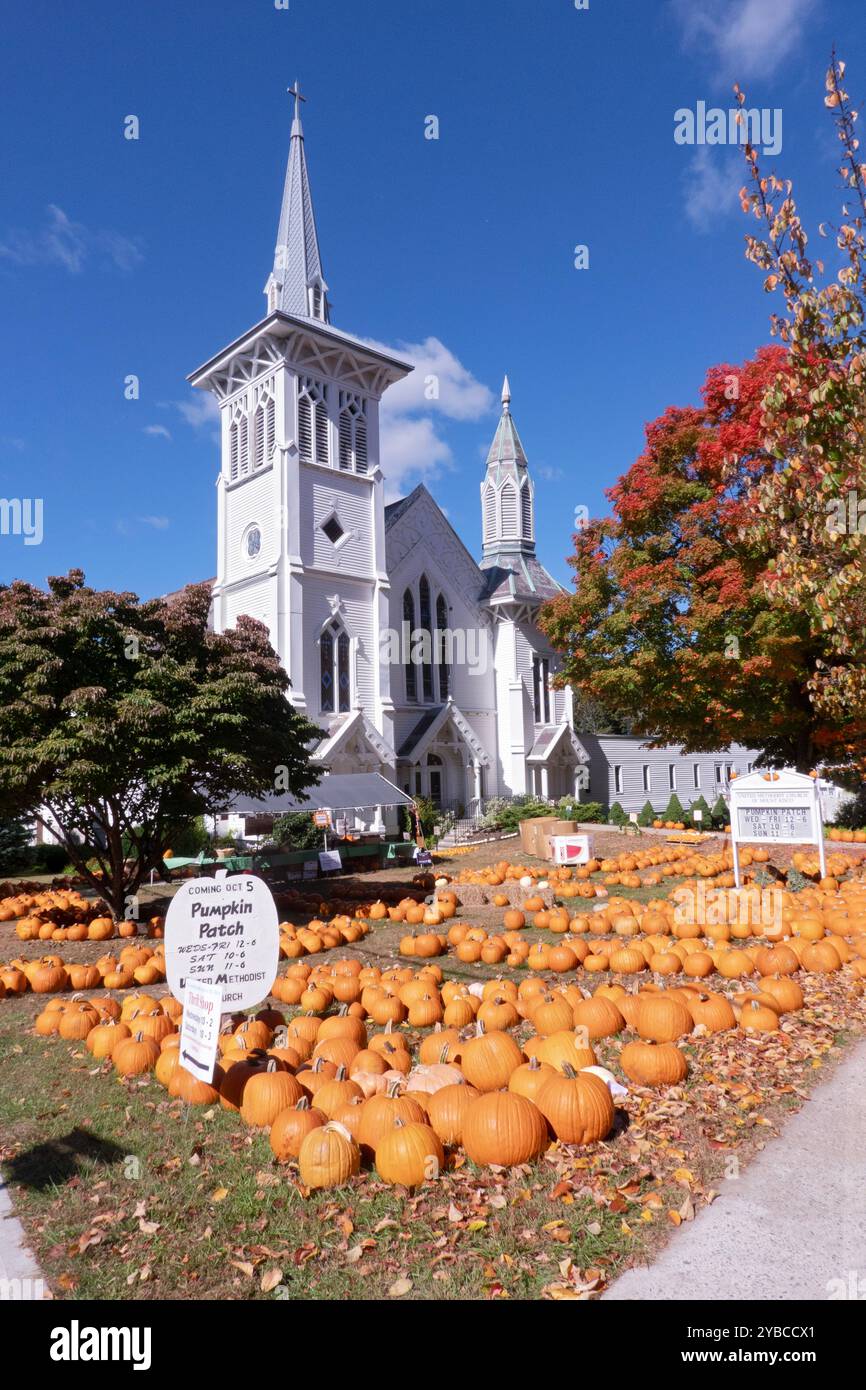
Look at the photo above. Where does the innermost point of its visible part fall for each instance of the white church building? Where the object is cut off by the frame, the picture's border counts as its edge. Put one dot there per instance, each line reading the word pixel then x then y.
pixel 415 658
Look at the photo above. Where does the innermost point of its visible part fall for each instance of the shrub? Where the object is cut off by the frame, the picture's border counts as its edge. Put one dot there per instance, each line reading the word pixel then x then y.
pixel 674 810
pixel 852 816
pixel 617 815
pixel 720 813
pixel 187 838
pixel 569 809
pixel 701 804
pixel 48 859
pixel 297 831
pixel 647 815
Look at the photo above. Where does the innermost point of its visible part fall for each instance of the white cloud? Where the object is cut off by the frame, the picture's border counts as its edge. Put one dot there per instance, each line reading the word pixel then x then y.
pixel 549 473
pixel 159 523
pixel 159 430
pixel 747 38
pixel 712 180
pixel 70 245
pixel 201 411
pixel 440 388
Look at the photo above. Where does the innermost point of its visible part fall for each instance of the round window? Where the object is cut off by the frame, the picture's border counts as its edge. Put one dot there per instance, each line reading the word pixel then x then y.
pixel 252 542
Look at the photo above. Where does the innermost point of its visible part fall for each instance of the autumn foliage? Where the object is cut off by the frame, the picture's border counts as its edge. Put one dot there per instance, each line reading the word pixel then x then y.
pixel 725 597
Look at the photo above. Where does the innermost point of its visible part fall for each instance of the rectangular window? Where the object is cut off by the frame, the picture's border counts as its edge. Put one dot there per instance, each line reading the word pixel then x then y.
pixel 536 689
pixel 719 773
pixel 647 778
pixel 672 776
pixel 545 677
pixel 617 779
pixel 696 774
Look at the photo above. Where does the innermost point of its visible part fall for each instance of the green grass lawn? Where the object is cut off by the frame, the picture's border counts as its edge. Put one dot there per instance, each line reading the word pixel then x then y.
pixel 125 1193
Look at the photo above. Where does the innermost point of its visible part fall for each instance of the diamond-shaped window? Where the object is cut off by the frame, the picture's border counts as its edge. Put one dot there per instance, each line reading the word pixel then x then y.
pixel 333 530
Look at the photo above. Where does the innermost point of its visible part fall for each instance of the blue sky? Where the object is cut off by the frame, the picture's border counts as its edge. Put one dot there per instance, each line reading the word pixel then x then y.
pixel 555 129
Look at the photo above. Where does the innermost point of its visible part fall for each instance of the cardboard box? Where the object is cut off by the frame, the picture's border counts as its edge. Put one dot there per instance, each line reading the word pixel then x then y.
pixel 540 829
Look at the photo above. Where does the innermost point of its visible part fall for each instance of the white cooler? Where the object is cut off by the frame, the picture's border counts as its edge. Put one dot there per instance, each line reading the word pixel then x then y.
pixel 569 849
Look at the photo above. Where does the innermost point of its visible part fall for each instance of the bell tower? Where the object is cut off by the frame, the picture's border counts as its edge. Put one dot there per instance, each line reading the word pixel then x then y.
pixel 300 491
pixel 507 495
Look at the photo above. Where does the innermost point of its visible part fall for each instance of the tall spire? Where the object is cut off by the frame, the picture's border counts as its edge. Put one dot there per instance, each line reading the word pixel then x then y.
pixel 507 499
pixel 296 284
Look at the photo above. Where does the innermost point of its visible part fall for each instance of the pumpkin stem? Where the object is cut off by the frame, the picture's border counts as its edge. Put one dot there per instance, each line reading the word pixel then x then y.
pixel 394 1089
pixel 303 1103
pixel 569 1070
pixel 341 1073
pixel 443 1055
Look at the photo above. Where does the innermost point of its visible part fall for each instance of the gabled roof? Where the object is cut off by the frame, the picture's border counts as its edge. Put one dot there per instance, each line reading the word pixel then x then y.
pixel 549 739
pixel 343 729
pixel 394 510
pixel 430 724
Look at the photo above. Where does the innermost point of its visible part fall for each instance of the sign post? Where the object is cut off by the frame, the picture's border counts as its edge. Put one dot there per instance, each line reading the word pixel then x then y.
pixel 776 808
pixel 223 931
pixel 200 1027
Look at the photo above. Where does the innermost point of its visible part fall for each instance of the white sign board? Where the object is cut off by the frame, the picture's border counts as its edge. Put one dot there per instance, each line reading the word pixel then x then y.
pixel 570 849
pixel 782 809
pixel 199 1029
pixel 329 859
pixel 223 931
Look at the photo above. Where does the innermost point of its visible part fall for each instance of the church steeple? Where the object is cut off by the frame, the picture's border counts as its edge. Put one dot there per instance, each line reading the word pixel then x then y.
pixel 296 284
pixel 507 506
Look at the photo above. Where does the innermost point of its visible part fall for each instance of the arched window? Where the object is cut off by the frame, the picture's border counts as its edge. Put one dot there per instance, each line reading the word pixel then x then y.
pixel 335 658
pixel 441 647
pixel 408 629
pixel 263 429
pixel 326 652
pixel 508 511
pixel 234 449
pixel 426 623
pixel 353 433
pixel 344 673
pixel 312 421
pixel 526 511
pixel 488 514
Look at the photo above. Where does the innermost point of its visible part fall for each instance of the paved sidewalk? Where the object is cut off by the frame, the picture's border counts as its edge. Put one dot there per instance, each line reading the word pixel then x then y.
pixel 19 1274
pixel 791 1225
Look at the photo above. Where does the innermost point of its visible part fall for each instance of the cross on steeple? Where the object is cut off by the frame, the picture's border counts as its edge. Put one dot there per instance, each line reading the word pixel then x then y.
pixel 296 93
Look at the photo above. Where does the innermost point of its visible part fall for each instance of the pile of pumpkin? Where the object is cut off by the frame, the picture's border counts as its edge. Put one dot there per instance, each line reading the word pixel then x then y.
pixel 64 915
pixel 332 1095
pixel 318 936
pixel 847 837
pixel 50 974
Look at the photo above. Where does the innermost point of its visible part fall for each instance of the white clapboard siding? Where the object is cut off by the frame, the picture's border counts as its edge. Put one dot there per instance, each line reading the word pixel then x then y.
pixel 609 751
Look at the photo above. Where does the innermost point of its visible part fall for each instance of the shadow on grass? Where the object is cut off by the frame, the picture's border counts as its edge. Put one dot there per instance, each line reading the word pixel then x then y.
pixel 57 1160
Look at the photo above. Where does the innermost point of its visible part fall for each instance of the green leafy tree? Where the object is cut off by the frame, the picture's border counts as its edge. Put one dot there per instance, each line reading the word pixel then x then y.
pixel 808 510
pixel 14 844
pixel 123 718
